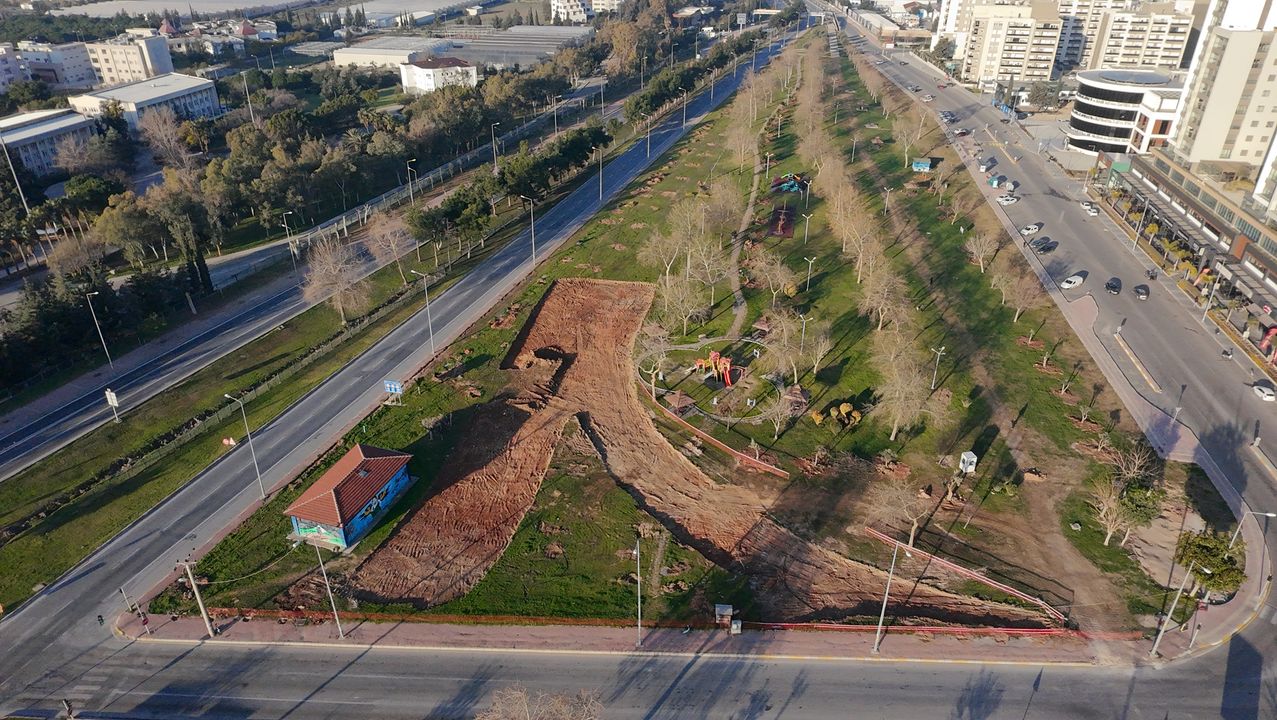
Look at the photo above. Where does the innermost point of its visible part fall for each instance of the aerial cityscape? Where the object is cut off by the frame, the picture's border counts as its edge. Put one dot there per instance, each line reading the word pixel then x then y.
pixel 582 359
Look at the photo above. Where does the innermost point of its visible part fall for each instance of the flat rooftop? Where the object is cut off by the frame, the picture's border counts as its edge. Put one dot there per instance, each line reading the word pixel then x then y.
pixel 151 88
pixel 21 129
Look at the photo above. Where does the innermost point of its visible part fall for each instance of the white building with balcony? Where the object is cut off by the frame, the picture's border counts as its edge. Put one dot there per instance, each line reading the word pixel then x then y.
pixel 1123 111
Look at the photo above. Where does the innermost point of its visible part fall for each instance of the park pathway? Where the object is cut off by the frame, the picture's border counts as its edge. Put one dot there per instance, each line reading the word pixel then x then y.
pixel 739 307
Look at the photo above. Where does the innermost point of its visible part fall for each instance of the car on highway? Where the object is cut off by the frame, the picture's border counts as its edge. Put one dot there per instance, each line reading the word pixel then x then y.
pixel 1046 248
pixel 928 97
pixel 1072 281
pixel 902 62
pixel 1008 199
pixel 961 132
pixel 1032 229
pixel 1265 393
pixel 1113 286
pixel 1141 292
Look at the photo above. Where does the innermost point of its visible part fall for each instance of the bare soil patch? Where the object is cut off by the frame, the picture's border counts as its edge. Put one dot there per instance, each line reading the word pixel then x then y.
pixel 573 359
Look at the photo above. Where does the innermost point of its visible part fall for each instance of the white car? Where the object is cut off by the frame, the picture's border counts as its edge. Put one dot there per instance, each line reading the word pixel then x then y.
pixel 1029 230
pixel 1072 281
pixel 928 98
pixel 1092 211
pixel 1008 199
pixel 1265 393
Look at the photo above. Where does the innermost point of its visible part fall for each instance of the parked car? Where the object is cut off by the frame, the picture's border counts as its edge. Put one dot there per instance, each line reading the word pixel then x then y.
pixel 1032 229
pixel 1047 248
pixel 928 97
pixel 1072 281
pixel 986 165
pixel 961 132
pixel 1141 292
pixel 1037 242
pixel 1113 286
pixel 1092 211
pixel 1005 121
pixel 1265 393
pixel 1008 199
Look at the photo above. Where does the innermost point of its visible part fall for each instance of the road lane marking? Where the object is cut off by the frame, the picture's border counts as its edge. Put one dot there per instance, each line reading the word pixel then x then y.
pixel 1136 361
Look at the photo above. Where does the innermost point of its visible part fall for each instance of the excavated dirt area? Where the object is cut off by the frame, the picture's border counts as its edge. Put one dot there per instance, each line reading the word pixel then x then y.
pixel 573 357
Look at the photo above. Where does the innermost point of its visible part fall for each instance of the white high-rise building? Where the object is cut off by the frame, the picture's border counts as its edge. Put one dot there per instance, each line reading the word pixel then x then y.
pixel 137 55
pixel 1153 37
pixel 1011 43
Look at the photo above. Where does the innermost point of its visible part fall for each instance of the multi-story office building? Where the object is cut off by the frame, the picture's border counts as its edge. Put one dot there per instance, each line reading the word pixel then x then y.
pixel 190 97
pixel 579 11
pixel 33 137
pixel 137 55
pixel 1011 43
pixel 12 67
pixel 1154 36
pixel 64 66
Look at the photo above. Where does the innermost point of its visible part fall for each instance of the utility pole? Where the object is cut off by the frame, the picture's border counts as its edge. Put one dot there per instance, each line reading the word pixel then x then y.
pixel 647 119
pixel 88 298
pixel 936 372
pixel 199 599
pixel 412 199
pixel 336 618
pixel 600 151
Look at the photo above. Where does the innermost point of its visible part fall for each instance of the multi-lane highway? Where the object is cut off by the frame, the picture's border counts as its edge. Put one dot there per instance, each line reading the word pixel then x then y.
pixel 26 436
pixel 53 638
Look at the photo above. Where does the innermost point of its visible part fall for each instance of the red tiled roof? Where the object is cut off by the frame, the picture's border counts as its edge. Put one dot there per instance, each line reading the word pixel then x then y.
pixel 336 497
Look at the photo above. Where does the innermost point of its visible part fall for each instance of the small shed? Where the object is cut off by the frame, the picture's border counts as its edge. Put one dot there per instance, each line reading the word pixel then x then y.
pixel 340 508
pixel 922 165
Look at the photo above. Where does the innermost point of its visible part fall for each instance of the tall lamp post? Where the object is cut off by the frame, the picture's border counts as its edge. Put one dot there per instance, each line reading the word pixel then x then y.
pixel 331 601
pixel 935 373
pixel 638 593
pixel 882 614
pixel 493 129
pixel 647 118
pixel 806 226
pixel 557 98
pixel 412 198
pixel 810 262
pixel 1166 621
pixel 1238 531
pixel 252 451
pixel 532 213
pixel 430 324
pixel 88 297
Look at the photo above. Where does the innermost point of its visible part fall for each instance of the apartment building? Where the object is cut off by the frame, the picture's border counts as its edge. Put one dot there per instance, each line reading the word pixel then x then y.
pixel 33 137
pixel 190 97
pixel 1011 43
pixel 12 67
pixel 62 66
pixel 139 54
pixel 426 76
pixel 1154 36
pixel 580 11
pixel 1123 111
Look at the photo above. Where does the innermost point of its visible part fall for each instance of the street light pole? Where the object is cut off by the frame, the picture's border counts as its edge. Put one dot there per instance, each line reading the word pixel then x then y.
pixel 1166 621
pixel 684 108
pixel 533 214
pixel 412 198
pixel 806 227
pixel 809 260
pixel 1238 531
pixel 882 615
pixel 647 119
pixel 600 150
pixel 88 297
pixel 199 599
pixel 768 166
pixel 252 451
pixel 557 98
pixel 936 372
pixel 638 593
pixel 336 618
pixel 248 97
pixel 430 324
pixel 493 130
pixel 1209 298
pixel 802 339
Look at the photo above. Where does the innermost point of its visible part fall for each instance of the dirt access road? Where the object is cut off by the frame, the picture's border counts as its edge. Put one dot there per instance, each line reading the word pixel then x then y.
pixel 573 359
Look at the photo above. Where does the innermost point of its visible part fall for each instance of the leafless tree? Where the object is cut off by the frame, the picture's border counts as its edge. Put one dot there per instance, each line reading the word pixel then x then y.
pixel 1106 501
pixel 163 134
pixel 820 342
pixel 882 292
pixel 896 499
pixel 654 349
pixel 784 344
pixel 982 247
pixel 687 217
pixel 903 392
pixel 683 300
pixel 1026 293
pixel 77 254
pixel 709 264
pixel 1132 462
pixel 961 203
pixel 777 412
pixel 388 241
pixel 912 135
pixel 1002 282
pixel 333 274
pixel 725 207
pixel 662 250
pixel 774 272
pixel 517 703
pixel 743 140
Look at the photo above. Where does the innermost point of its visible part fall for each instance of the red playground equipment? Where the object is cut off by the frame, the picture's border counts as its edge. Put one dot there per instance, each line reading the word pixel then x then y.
pixel 719 364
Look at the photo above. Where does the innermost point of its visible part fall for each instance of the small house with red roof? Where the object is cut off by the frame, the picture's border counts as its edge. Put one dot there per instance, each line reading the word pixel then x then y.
pixel 340 508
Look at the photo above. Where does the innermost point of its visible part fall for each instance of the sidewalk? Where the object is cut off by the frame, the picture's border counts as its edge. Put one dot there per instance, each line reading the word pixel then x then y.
pixel 857 644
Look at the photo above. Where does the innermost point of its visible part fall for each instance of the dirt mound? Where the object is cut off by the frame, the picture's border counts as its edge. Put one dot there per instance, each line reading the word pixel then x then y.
pixel 573 358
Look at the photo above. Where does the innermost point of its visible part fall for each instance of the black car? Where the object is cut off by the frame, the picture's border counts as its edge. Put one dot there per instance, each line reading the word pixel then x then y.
pixel 1046 248
pixel 1114 286
pixel 1141 292
pixel 1005 121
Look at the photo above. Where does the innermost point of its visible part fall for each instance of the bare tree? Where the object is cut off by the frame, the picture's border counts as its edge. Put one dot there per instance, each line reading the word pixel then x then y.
pixel 662 250
pixel 911 136
pixel 517 703
pixel 743 140
pixel 784 344
pixel 897 499
pixel 388 241
pixel 163 134
pixel 883 292
pixel 1106 501
pixel 1002 282
pixel 1026 293
pixel 982 247
pixel 725 207
pixel 654 349
pixel 774 272
pixel 777 412
pixel 77 254
pixel 820 342
pixel 961 203
pixel 709 264
pixel 687 218
pixel 903 392
pixel 333 274
pixel 683 300
pixel 1132 462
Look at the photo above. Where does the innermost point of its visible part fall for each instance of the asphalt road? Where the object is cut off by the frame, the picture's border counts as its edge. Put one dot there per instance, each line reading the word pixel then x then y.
pixel 54 635
pixel 31 437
